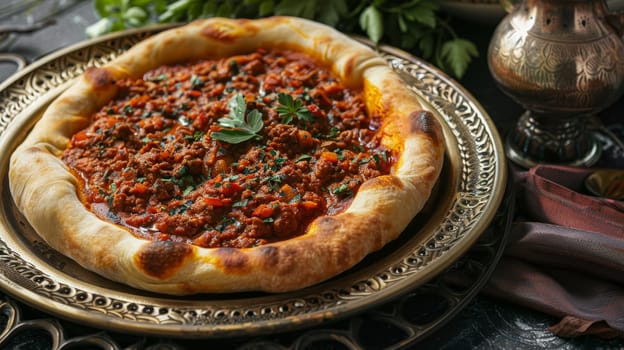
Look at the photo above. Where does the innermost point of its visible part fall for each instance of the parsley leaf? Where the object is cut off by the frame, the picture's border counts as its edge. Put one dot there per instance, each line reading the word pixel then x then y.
pixel 235 127
pixel 289 108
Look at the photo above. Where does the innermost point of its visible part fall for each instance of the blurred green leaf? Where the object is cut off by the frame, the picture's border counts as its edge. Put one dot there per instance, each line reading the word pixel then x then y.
pixel 266 8
pixel 371 21
pixel 298 8
pixel 160 6
pixel 423 14
pixel 414 25
pixel 141 3
pixel 458 53
pixel 99 28
pixel 209 9
pixel 291 8
pixel 426 45
pixel 225 10
pixel 104 8
pixel 136 16
pixel 194 10
pixel 332 12
pixel 402 24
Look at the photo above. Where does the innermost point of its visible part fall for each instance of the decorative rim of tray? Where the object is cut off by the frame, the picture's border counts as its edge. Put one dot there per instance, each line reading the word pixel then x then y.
pixel 467 197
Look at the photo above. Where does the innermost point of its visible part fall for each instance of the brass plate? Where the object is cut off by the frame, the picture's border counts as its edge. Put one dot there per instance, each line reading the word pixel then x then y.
pixel 466 199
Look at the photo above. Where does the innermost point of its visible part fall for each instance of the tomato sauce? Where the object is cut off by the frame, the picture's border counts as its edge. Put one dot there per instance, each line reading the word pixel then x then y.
pixel 150 160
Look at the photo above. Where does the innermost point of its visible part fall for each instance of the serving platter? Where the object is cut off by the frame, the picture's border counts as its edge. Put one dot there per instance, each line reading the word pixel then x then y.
pixel 464 204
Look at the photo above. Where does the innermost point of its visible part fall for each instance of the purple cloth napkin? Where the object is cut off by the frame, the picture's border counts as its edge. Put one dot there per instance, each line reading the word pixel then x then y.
pixel 565 255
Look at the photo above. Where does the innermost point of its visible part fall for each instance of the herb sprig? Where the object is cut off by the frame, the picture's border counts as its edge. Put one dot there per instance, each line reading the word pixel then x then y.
pixel 238 127
pixel 290 108
pixel 415 25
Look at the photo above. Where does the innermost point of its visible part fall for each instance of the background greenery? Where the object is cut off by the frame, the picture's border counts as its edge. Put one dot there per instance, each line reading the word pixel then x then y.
pixel 416 26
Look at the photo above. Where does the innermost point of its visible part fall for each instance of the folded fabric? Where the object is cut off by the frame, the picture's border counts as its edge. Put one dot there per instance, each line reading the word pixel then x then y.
pixel 586 252
pixel 565 254
pixel 550 269
pixel 554 194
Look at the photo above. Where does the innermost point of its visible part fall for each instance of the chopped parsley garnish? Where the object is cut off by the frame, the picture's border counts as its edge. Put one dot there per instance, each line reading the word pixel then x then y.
pixel 289 109
pixel 127 110
pixel 188 190
pixel 158 77
pixel 339 154
pixel 237 128
pixel 303 157
pixel 242 203
pixel 342 190
pixel 234 67
pixel 376 158
pixel 273 180
pixel 182 208
pixel 196 82
pixel 197 135
pixel 296 198
pixel 225 221
pixel 333 133
pixel 183 170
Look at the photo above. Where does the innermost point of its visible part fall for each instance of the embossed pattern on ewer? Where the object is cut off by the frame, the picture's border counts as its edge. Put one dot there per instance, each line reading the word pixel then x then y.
pixel 563 61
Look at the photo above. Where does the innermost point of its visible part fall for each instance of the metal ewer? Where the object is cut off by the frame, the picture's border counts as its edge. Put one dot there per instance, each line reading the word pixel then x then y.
pixel 562 60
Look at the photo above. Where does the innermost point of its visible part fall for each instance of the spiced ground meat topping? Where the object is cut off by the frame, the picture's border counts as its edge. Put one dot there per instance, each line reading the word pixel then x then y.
pixel 234 152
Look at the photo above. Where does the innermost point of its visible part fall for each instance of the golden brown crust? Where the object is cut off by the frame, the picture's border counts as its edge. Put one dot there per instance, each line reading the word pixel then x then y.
pixel 45 191
pixel 161 259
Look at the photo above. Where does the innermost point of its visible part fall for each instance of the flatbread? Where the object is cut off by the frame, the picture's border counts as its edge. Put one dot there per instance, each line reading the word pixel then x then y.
pixel 47 192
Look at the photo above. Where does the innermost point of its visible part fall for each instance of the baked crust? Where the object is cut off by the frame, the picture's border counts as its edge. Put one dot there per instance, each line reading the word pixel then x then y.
pixel 45 191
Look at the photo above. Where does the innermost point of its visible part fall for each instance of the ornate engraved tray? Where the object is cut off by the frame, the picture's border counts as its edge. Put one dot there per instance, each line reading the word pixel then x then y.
pixel 464 205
